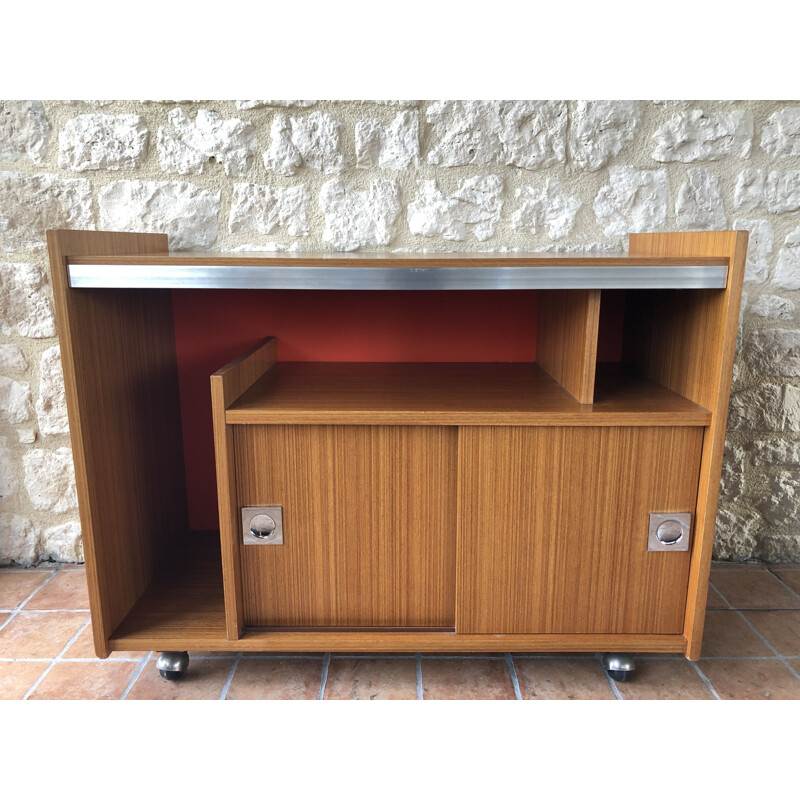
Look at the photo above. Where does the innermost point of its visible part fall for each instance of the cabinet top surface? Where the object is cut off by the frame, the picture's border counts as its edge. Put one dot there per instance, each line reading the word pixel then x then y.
pixel 396 259
pixel 410 271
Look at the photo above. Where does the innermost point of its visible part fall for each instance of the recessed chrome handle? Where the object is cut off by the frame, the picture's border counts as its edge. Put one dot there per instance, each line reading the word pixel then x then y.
pixel 262 525
pixel 669 532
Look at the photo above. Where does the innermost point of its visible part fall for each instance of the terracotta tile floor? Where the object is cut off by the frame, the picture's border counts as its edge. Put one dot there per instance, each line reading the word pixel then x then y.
pixel 751 650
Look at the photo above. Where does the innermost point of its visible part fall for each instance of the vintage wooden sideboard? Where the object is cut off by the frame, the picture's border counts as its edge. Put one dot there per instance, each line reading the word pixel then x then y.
pixel 563 500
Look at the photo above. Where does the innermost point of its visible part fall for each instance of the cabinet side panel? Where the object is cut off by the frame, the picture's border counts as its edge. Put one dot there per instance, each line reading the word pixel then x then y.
pixel 686 341
pixel 369 518
pixel 566 345
pixel 563 518
pixel 227 385
pixel 120 375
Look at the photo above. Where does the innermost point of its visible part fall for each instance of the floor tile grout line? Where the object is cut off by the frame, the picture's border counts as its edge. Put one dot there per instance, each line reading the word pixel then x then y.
pixel 47 611
pixel 731 607
pixel 142 664
pixel 28 570
pixel 751 608
pixel 758 633
pixel 420 694
pixel 764 639
pixel 788 666
pixel 25 660
pixel 326 661
pixel 785 585
pixel 21 605
pixel 704 678
pixel 77 660
pixel 57 659
pixel 229 680
pixel 718 593
pixel 375 654
pixel 512 672
pixel 770 608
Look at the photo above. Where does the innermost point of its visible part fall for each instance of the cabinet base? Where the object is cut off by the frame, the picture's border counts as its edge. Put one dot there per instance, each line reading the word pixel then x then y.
pixel 339 641
pixel 184 609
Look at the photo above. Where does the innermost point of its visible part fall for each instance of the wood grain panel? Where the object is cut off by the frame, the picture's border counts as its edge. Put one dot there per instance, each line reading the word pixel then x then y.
pixel 118 356
pixel 227 384
pixel 686 341
pixel 369 518
pixel 450 394
pixel 566 344
pixel 553 529
pixel 184 609
pixel 184 601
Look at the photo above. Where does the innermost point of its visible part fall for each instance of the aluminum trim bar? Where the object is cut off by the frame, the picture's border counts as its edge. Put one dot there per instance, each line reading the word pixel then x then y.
pixel 628 276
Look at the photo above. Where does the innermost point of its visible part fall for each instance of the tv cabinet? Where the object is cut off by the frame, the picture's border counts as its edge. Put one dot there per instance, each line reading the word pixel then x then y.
pixel 559 504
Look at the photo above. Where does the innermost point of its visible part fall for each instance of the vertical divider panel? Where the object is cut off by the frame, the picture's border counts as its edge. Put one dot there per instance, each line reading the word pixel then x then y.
pixel 227 384
pixel 121 382
pixel 566 342
pixel 686 341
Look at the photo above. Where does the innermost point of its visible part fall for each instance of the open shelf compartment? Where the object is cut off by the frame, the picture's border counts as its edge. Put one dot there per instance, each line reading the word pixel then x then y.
pixel 306 393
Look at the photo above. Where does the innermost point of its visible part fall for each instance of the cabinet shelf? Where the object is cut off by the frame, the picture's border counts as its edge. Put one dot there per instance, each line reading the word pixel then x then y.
pixel 450 394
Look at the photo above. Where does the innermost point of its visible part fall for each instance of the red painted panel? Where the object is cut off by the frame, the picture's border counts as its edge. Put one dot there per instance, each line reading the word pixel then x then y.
pixel 610 329
pixel 214 327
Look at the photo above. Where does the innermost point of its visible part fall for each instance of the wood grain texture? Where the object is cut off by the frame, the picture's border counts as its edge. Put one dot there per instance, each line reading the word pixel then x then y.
pixel 399 259
pixel 185 597
pixel 369 523
pixel 562 515
pixel 227 384
pixel 566 343
pixel 146 635
pixel 118 356
pixel 184 609
pixel 449 394
pixel 687 343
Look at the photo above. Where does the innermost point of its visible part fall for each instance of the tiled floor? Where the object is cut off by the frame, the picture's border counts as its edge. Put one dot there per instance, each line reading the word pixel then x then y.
pixel 751 651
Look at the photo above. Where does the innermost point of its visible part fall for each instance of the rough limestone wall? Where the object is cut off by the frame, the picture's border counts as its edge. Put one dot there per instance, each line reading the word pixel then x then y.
pixel 438 176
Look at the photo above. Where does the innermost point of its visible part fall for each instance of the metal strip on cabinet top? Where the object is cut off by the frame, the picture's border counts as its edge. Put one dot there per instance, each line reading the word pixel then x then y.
pixel 221 276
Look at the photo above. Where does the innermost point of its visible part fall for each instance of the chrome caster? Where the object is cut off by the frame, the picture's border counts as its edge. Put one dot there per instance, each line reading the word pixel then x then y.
pixel 172 665
pixel 619 666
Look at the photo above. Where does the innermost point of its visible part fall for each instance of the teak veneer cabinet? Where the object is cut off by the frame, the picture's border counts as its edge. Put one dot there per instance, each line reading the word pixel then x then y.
pixel 554 505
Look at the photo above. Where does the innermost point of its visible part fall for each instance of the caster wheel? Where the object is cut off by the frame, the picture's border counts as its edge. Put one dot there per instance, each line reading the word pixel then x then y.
pixel 172 665
pixel 619 666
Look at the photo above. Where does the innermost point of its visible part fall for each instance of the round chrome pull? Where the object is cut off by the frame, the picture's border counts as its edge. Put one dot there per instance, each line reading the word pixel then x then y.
pixel 670 532
pixel 262 526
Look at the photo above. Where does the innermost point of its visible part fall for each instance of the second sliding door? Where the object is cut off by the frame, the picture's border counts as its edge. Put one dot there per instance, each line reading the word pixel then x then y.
pixel 553 528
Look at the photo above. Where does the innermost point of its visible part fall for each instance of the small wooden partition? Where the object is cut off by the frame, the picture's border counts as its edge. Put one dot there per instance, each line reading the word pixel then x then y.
pixel 433 507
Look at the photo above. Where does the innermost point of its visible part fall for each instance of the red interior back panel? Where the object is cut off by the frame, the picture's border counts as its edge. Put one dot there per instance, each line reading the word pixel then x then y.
pixel 214 327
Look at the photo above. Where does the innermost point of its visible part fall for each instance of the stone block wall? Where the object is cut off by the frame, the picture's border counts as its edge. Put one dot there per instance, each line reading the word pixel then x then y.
pixel 402 175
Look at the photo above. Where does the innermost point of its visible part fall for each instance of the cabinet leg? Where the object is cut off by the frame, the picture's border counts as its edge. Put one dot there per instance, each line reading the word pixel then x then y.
pixel 619 666
pixel 172 665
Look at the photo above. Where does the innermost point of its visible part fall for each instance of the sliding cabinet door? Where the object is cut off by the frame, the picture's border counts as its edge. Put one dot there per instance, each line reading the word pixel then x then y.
pixel 369 525
pixel 553 528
